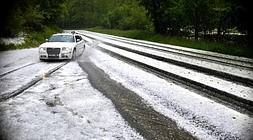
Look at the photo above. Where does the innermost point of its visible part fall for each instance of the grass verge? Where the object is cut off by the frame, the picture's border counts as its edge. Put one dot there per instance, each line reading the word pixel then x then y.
pixel 32 39
pixel 224 48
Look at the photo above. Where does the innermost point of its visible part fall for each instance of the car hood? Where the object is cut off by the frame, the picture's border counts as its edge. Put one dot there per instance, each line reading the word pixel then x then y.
pixel 58 44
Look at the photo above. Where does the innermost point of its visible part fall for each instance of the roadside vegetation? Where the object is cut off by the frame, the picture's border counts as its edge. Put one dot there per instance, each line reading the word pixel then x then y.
pixel 215 25
pixel 32 39
pixel 35 19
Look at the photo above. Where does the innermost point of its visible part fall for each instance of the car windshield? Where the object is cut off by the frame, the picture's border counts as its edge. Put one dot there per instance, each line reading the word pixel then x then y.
pixel 61 38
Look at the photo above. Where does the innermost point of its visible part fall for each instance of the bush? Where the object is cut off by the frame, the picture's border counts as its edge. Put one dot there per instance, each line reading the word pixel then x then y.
pixel 32 39
pixel 128 17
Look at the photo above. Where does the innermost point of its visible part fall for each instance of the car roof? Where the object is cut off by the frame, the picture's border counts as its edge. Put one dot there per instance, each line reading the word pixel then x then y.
pixel 63 34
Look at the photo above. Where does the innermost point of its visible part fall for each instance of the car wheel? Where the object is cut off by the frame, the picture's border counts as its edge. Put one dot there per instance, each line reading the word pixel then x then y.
pixel 74 55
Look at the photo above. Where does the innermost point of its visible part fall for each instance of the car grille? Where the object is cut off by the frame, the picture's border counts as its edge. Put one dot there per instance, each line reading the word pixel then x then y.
pixel 53 52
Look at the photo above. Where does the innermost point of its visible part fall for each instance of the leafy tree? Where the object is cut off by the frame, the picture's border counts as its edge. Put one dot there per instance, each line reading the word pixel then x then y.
pixel 198 14
pixel 32 15
pixel 157 11
pixel 221 18
pixel 240 13
pixel 166 15
pixel 127 16
pixel 85 13
pixel 107 13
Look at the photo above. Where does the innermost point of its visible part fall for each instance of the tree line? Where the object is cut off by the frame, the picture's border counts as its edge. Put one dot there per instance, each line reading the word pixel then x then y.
pixel 30 15
pixel 119 14
pixel 199 16
pixel 190 18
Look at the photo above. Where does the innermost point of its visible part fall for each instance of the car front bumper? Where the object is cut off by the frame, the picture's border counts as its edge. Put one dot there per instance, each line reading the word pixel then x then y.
pixel 60 56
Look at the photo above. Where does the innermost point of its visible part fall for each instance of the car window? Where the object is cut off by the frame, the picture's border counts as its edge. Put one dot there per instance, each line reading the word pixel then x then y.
pixel 78 38
pixel 61 38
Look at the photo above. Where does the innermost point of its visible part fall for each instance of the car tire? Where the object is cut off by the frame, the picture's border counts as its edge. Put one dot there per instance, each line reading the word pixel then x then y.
pixel 74 55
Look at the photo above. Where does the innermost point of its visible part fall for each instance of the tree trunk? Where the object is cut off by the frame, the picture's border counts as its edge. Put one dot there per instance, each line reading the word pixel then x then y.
pixel 196 24
pixel 219 31
pixel 196 33
pixel 159 28
pixel 249 38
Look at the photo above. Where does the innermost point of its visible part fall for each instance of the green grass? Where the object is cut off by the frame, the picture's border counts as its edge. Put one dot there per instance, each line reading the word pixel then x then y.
pixel 230 49
pixel 32 39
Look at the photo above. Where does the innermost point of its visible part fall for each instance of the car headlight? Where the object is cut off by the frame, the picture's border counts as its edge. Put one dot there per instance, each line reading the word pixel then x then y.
pixel 42 49
pixel 66 49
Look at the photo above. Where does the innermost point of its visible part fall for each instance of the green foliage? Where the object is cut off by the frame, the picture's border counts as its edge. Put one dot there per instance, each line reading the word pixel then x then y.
pixel 32 15
pixel 199 17
pixel 81 13
pixel 166 15
pixel 107 13
pixel 32 39
pixel 198 14
pixel 183 18
pixel 14 25
pixel 127 16
pixel 33 19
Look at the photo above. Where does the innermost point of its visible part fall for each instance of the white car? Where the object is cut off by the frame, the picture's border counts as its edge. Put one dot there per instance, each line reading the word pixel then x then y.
pixel 62 46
